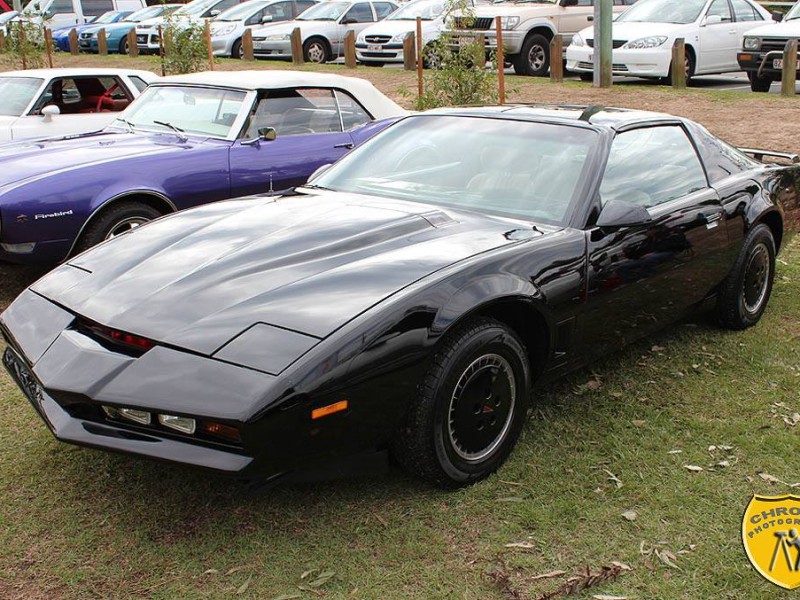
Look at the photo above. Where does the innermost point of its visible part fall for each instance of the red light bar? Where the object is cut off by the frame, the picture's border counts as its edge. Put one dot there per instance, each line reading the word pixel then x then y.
pixel 120 337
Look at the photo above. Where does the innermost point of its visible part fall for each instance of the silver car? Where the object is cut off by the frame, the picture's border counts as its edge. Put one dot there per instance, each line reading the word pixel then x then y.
pixel 322 27
pixel 227 28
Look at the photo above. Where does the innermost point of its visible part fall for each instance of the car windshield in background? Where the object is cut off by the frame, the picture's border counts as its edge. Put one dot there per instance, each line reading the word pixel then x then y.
pixel 427 10
pixel 324 11
pixel 105 18
pixel 663 11
pixel 511 168
pixel 198 7
pixel 146 13
pixel 16 94
pixel 240 12
pixel 6 17
pixel 793 14
pixel 193 110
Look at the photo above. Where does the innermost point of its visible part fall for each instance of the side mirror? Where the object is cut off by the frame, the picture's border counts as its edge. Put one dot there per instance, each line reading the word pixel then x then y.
pixel 50 111
pixel 318 172
pixel 712 20
pixel 266 19
pixel 214 13
pixel 348 21
pixel 617 213
pixel 268 134
pixel 777 16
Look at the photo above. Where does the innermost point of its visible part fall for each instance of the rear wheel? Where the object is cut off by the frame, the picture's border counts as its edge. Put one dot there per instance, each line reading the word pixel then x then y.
pixel 316 50
pixel 744 294
pixel 236 50
pixel 116 220
pixel 534 58
pixel 123 46
pixel 469 408
pixel 759 84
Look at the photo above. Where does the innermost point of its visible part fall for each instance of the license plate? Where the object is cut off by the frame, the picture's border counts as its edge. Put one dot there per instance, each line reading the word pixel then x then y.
pixel 23 376
pixel 778 64
pixel 374 48
pixel 141 39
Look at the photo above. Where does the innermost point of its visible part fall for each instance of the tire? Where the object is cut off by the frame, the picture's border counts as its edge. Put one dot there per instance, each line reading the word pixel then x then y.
pixel 315 50
pixel 469 407
pixel 744 294
pixel 587 76
pixel 759 84
pixel 115 220
pixel 690 64
pixel 534 58
pixel 236 49
pixel 123 46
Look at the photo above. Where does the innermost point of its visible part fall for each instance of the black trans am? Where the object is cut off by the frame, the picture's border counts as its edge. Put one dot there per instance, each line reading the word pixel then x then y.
pixel 411 298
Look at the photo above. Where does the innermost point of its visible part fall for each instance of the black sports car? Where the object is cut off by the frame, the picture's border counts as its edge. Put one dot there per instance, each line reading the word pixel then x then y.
pixel 410 298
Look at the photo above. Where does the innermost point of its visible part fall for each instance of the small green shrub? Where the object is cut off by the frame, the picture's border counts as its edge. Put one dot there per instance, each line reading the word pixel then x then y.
pixel 184 45
pixel 25 44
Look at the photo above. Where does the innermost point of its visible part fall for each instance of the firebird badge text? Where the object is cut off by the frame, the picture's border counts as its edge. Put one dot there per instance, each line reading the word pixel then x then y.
pixel 771 536
pixel 63 213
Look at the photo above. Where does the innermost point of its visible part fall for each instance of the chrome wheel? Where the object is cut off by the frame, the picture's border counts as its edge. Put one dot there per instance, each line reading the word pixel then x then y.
pixel 756 278
pixel 316 52
pixel 126 225
pixel 537 57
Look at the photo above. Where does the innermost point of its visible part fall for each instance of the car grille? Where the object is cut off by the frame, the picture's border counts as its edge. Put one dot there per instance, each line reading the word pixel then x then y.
pixel 615 43
pixel 378 39
pixel 616 68
pixel 86 36
pixel 482 23
pixel 379 54
pixel 141 39
pixel 770 44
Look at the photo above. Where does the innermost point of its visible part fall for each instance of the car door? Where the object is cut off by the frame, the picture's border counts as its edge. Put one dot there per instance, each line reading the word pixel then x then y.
pixel 309 130
pixel 571 19
pixel 357 18
pixel 645 275
pixel 719 41
pixel 300 6
pixel 277 12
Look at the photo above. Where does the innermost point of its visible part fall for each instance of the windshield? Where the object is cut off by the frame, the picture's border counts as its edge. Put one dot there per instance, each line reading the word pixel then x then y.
pixel 241 11
pixel 324 11
pixel 148 13
pixel 793 14
pixel 196 7
pixel 5 17
pixel 105 18
pixel 663 11
pixel 16 94
pixel 194 110
pixel 427 10
pixel 505 167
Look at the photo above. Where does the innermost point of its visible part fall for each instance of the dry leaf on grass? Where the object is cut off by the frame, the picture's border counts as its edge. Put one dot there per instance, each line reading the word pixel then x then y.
pixel 639 423
pixel 243 588
pixel 287 597
pixel 607 597
pixel 549 575
pixel 693 468
pixel 525 545
pixel 630 515
pixel 617 481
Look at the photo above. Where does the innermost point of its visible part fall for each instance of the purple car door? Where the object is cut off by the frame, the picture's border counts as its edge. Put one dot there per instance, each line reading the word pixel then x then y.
pixel 311 126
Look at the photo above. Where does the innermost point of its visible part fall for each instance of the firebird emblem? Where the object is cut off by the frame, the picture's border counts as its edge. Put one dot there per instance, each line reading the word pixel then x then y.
pixel 22 218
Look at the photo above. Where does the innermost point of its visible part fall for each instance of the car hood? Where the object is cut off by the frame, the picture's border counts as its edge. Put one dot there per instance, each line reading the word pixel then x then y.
pixel 309 264
pixel 26 160
pixel 779 30
pixel 634 31
pixel 120 26
pixel 289 26
pixel 390 27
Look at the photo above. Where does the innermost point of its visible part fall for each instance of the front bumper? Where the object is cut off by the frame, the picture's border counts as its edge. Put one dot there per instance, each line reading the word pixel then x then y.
pixel 148 42
pixel 648 62
pixel 385 53
pixel 272 49
pixel 761 63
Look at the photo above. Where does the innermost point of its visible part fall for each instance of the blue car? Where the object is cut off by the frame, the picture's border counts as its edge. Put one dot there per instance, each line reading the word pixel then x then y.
pixel 117 32
pixel 187 140
pixel 61 35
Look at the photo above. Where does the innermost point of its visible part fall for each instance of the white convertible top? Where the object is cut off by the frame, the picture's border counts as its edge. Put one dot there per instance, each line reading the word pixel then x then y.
pixel 373 100
pixel 68 72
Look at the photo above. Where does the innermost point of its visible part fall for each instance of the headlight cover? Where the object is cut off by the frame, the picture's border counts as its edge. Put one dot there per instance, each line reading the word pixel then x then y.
pixel 223 29
pixel 752 43
pixel 398 37
pixel 509 22
pixel 646 42
pixel 577 40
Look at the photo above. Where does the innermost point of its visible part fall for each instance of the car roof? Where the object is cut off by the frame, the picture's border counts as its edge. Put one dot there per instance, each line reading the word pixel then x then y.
pixel 67 72
pixel 599 116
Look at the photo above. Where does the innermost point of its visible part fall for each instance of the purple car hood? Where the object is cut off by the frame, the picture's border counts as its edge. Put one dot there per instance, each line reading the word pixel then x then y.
pixel 305 263
pixel 21 161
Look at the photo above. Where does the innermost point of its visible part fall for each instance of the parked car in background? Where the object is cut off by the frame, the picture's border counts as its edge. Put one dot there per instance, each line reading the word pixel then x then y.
pixel 6 18
pixel 65 13
pixel 322 27
pixel 645 33
pixel 57 102
pixel 415 297
pixel 227 28
pixel 383 42
pixel 761 56
pixel 192 13
pixel 117 33
pixel 61 35
pixel 187 140
pixel 529 27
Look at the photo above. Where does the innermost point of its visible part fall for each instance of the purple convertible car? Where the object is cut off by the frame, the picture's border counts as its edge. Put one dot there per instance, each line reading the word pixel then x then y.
pixel 187 140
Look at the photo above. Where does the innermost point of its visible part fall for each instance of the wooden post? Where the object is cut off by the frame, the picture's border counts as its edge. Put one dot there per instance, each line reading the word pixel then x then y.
pixel 350 49
pixel 679 64
pixel 102 42
pixel 556 59
pixel 789 74
pixel 603 19
pixel 162 51
pixel 208 45
pixel 48 46
pixel 133 49
pixel 500 56
pixel 297 46
pixel 409 52
pixel 247 45
pixel 2 41
pixel 419 57
pixel 22 44
pixel 73 42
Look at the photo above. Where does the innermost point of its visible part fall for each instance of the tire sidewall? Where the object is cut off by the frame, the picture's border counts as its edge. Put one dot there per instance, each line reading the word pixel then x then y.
pixel 531 43
pixel 761 235
pixel 307 47
pixel 494 340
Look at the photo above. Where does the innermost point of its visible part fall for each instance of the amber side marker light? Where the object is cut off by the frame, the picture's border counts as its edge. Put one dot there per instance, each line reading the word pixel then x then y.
pixel 331 409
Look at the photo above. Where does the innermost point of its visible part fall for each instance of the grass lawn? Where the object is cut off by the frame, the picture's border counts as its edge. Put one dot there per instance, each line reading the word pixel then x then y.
pixel 611 441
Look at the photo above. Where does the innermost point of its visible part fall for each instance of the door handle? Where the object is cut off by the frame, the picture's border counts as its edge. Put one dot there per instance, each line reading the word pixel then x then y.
pixel 712 220
pixel 348 145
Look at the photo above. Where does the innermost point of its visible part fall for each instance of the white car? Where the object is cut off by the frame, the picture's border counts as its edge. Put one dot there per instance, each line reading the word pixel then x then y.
pixel 227 28
pixel 322 27
pixel 63 13
pixel 147 40
pixel 645 33
pixel 5 18
pixel 55 102
pixel 761 56
pixel 383 42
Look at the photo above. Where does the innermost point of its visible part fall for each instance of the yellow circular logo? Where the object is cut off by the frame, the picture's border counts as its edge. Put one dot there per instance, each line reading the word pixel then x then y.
pixel 771 536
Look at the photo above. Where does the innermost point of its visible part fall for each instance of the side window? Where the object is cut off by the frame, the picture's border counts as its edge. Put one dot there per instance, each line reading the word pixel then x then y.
pixel 221 6
pixel 383 9
pixel 359 13
pixel 295 112
pixel 586 3
pixel 745 12
pixel 93 8
pixel 353 114
pixel 722 9
pixel 302 5
pixel 138 82
pixel 61 7
pixel 280 11
pixel 85 95
pixel 651 166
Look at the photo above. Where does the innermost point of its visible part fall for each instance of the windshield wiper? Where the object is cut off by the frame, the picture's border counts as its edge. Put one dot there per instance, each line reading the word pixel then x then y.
pixel 128 123
pixel 170 125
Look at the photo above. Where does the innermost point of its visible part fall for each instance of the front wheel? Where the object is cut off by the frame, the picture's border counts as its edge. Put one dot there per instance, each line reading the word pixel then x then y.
pixel 534 58
pixel 115 220
pixel 744 294
pixel 759 84
pixel 469 408
pixel 237 51
pixel 315 50
pixel 587 77
pixel 123 46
